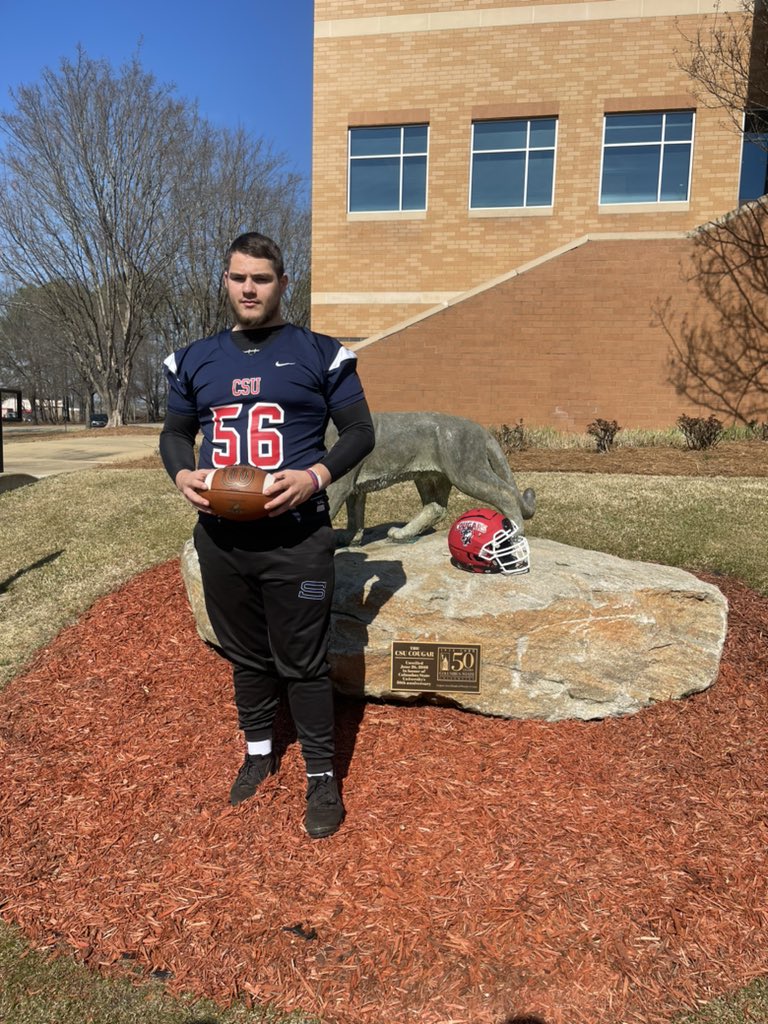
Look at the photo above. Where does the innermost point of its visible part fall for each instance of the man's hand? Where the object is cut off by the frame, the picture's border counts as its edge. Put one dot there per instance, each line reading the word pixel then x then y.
pixel 191 482
pixel 292 487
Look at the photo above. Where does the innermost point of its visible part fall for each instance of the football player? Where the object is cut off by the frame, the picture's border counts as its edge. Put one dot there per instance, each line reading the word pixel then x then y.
pixel 261 394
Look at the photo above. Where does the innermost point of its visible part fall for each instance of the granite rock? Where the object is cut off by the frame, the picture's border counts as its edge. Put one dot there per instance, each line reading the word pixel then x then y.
pixel 582 635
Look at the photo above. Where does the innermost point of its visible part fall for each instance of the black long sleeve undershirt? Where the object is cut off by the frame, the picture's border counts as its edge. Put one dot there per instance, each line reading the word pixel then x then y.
pixel 356 438
pixel 353 422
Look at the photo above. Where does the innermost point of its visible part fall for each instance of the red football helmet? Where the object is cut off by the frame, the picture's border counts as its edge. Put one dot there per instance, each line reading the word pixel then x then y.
pixel 484 540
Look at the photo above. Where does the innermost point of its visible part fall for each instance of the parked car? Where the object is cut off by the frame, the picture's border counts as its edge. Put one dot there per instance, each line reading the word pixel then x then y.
pixel 99 419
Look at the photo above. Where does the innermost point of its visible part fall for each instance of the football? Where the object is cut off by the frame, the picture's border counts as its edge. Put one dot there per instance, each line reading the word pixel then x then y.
pixel 237 492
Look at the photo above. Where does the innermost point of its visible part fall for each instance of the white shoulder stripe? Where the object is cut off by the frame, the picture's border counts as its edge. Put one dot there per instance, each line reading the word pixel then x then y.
pixel 341 355
pixel 170 362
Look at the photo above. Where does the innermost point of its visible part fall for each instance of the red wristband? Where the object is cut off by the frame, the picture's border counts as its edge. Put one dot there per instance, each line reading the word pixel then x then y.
pixel 315 478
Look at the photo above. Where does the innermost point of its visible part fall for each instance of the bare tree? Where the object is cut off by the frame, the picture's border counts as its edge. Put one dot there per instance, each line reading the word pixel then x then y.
pixel 234 184
pixel 88 165
pixel 719 351
pixel 22 356
pixel 31 360
pixel 295 237
pixel 727 61
pixel 148 390
pixel 117 204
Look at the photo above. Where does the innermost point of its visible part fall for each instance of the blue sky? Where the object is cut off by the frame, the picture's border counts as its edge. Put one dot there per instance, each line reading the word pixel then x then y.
pixel 246 64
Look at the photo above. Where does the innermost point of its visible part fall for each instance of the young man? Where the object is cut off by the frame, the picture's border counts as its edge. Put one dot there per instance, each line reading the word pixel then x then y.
pixel 262 394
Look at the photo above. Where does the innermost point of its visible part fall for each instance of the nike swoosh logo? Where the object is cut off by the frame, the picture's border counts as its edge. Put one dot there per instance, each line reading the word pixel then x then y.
pixel 285 364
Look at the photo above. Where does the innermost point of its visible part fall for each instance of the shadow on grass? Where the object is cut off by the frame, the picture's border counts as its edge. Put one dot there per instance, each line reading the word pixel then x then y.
pixel 10 481
pixel 5 584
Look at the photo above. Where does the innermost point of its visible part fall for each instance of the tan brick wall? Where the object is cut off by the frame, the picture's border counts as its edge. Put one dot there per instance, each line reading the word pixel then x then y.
pixel 575 66
pixel 571 340
pixel 329 9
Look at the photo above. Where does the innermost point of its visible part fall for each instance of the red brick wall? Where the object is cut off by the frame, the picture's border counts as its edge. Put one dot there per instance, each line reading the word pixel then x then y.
pixel 570 340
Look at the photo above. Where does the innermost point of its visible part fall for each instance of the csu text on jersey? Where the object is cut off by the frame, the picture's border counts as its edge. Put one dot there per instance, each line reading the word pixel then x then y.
pixel 242 387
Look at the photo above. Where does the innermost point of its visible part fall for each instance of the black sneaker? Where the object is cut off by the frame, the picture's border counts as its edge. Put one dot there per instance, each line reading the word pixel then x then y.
pixel 325 811
pixel 255 768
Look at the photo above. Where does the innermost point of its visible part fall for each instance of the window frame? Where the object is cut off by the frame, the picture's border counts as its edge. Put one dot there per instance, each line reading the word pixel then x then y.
pixel 402 156
pixel 662 143
pixel 525 206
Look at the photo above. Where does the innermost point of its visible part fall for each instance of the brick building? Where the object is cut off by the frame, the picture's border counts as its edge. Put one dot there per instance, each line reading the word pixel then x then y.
pixel 502 194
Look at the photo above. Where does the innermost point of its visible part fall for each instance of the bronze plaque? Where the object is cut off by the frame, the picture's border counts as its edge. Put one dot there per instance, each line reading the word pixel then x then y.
pixel 441 667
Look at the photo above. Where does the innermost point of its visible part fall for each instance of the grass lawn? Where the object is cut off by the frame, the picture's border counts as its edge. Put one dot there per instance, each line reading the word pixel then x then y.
pixel 69 539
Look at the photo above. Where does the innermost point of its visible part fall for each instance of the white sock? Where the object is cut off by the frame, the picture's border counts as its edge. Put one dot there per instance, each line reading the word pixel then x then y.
pixel 317 775
pixel 261 747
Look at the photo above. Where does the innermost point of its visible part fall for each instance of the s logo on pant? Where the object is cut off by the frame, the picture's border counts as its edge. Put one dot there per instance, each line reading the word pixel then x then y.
pixel 313 590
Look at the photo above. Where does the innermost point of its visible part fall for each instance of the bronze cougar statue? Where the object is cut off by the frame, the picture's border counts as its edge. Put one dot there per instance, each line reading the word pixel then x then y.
pixel 437 452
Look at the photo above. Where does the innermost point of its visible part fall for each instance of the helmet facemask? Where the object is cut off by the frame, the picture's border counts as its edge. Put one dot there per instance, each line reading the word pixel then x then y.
pixel 507 550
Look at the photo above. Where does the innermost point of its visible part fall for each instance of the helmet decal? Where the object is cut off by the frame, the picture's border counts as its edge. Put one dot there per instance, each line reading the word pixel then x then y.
pixel 466 531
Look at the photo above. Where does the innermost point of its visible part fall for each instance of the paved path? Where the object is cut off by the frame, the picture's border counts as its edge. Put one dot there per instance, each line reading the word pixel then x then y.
pixel 65 452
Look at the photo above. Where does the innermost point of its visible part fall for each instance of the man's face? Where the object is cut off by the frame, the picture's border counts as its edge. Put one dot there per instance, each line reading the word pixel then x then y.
pixel 254 291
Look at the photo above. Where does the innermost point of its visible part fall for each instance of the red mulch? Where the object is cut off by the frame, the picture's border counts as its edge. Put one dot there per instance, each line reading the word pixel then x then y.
pixel 606 872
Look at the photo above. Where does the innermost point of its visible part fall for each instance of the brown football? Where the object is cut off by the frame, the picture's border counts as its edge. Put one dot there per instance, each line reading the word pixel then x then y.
pixel 237 492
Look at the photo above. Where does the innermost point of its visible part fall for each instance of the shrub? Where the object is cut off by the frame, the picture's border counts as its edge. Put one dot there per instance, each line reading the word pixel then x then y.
pixel 511 439
pixel 604 432
pixel 759 430
pixel 700 433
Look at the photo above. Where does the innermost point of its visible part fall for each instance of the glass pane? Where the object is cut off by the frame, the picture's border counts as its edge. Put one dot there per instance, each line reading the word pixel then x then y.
pixel 498 179
pixel 754 168
pixel 622 129
pixel 500 135
pixel 674 175
pixel 630 174
pixel 543 132
pixel 679 127
pixel 374 184
pixel 415 183
pixel 756 122
pixel 541 169
pixel 374 141
pixel 415 138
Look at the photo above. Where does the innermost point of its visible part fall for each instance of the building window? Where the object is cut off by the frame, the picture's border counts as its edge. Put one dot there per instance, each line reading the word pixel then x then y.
pixel 388 168
pixel 647 157
pixel 513 163
pixel 753 182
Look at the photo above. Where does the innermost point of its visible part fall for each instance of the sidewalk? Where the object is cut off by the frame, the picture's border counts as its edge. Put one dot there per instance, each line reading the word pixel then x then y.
pixel 64 453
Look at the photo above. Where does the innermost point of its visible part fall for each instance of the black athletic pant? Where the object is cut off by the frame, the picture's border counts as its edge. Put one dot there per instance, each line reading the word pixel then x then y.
pixel 268 589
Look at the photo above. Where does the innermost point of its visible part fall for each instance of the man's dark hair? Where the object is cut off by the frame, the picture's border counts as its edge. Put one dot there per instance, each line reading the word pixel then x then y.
pixel 251 243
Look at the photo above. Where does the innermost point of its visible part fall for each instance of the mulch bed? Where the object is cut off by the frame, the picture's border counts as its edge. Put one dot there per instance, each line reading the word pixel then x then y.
pixel 730 458
pixel 608 872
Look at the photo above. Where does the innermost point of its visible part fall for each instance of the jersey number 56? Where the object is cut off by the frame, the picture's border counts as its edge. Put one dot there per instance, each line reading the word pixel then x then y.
pixel 262 442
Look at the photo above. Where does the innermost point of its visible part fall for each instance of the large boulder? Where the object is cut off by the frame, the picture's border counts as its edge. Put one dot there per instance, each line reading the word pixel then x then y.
pixel 583 635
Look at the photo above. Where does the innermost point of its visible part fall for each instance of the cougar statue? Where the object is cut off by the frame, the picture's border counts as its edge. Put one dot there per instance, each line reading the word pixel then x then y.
pixel 437 452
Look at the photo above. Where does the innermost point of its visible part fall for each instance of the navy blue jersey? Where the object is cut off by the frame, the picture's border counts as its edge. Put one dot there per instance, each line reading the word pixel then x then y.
pixel 268 408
